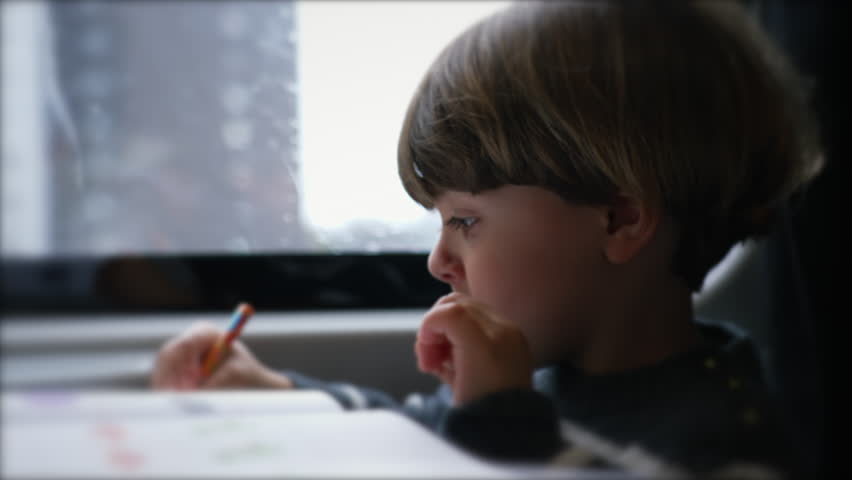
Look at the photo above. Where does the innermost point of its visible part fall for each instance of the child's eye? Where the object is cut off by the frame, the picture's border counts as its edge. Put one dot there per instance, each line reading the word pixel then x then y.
pixel 463 223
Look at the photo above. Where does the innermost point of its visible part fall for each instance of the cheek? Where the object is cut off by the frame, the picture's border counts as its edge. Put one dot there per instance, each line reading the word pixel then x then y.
pixel 524 282
pixel 541 286
pixel 486 277
pixel 543 291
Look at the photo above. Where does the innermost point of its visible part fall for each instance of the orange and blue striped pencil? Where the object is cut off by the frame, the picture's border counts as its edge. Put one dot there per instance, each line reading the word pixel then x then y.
pixel 241 316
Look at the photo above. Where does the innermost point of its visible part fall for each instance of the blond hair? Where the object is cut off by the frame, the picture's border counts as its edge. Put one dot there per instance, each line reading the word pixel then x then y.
pixel 686 104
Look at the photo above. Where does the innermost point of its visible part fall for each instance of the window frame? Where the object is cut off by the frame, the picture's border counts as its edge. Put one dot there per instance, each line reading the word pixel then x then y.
pixel 212 283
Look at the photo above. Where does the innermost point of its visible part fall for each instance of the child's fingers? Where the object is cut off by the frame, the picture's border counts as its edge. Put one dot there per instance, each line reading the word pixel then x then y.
pixel 467 319
pixel 238 368
pixel 222 377
pixel 436 359
pixel 447 330
pixel 479 312
pixel 177 361
pixel 448 298
pixel 454 321
pixel 467 346
pixel 434 353
pixel 192 346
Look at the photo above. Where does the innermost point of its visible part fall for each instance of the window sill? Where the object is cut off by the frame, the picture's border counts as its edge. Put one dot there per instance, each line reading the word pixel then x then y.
pixel 118 350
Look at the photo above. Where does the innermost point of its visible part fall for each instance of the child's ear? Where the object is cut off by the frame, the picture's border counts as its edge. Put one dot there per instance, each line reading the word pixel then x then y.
pixel 631 224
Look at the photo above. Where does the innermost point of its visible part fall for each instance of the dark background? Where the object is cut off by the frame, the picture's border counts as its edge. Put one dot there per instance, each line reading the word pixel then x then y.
pixel 810 278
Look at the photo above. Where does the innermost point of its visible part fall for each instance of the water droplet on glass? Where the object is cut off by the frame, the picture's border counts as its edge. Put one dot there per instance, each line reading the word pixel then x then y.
pixel 238 244
pixel 235 99
pixel 98 206
pixel 237 134
pixel 93 83
pixel 233 23
pixel 94 42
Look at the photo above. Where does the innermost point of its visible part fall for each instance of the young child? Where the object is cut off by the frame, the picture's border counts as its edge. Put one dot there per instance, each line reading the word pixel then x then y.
pixel 591 161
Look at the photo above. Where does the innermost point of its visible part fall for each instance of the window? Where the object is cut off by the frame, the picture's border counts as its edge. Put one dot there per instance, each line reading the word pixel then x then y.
pixel 192 154
pixel 235 127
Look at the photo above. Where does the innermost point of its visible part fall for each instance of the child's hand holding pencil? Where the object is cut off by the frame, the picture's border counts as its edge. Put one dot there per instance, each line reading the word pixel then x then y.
pixel 205 356
pixel 213 356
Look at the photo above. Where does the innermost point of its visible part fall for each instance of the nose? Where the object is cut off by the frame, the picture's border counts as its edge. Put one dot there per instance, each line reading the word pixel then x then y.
pixel 445 265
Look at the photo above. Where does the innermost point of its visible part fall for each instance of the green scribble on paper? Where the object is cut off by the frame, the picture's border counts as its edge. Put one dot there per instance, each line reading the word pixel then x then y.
pixel 248 451
pixel 225 426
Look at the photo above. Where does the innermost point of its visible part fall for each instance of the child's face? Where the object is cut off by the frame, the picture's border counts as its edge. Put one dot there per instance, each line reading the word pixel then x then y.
pixel 535 259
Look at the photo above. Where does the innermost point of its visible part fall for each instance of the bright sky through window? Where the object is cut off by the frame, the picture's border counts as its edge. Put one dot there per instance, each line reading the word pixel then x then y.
pixel 354 88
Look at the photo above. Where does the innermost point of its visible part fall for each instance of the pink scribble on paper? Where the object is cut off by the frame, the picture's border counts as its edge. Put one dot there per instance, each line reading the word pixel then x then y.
pixel 111 432
pixel 125 459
